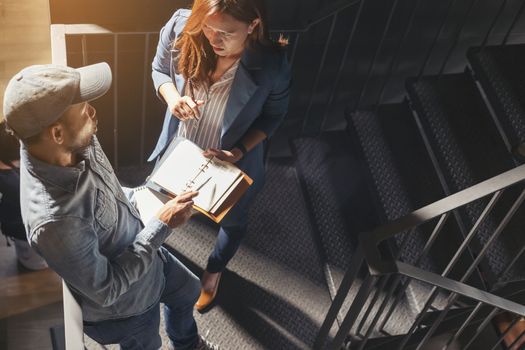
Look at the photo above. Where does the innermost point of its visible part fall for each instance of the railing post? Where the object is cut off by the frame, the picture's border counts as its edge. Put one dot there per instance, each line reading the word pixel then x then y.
pixel 347 282
pixel 115 101
pixel 333 91
pixel 84 51
pixel 318 75
pixel 513 24
pixel 376 55
pixel 58 44
pixel 456 37
pixel 73 324
pixel 144 99
pixel 496 17
pixel 436 38
pixel 353 313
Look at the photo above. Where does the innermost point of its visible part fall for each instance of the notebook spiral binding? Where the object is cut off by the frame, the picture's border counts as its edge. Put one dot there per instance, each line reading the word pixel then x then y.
pixel 189 184
pixel 204 166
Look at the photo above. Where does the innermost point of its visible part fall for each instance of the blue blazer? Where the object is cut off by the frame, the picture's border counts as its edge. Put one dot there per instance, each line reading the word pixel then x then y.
pixel 258 97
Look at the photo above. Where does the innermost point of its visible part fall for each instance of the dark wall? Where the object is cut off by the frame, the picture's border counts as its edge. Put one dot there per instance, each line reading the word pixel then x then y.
pixel 373 70
pixel 151 14
pixel 115 14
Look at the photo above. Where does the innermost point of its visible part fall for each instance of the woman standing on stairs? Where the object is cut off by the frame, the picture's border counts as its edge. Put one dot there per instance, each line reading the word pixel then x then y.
pixel 226 87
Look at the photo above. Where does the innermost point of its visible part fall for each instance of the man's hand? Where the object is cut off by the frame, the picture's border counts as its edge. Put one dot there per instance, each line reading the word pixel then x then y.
pixel 232 156
pixel 185 108
pixel 178 210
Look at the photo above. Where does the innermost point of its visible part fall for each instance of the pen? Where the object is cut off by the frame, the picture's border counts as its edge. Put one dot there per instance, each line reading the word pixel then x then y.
pixel 202 184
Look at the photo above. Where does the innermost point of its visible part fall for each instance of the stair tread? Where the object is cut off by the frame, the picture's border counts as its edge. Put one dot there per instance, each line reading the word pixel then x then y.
pixel 332 180
pixel 401 171
pixel 273 294
pixel 467 147
pixel 501 73
pixel 332 159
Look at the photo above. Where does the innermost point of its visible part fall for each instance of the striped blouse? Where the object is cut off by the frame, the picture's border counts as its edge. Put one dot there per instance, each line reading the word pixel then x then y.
pixel 206 132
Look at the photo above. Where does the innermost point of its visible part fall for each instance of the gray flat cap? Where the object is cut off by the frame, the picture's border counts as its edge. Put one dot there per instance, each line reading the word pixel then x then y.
pixel 38 95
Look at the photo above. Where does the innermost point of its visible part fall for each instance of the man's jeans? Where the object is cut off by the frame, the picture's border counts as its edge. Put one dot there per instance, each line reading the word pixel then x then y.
pixel 142 332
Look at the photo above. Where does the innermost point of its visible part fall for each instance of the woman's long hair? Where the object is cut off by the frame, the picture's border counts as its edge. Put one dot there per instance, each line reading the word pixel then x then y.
pixel 196 59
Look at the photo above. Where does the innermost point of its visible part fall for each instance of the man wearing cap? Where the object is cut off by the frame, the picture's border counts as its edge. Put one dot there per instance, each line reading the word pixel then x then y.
pixel 79 219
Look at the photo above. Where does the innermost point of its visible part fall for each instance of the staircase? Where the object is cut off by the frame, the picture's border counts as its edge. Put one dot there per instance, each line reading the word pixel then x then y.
pixel 306 230
pixel 449 134
pixel 375 234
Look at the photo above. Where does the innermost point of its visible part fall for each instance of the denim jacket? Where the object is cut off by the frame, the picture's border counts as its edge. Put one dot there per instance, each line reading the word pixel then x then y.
pixel 79 219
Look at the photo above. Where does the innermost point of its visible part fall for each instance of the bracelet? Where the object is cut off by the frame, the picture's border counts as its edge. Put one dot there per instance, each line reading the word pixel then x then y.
pixel 241 147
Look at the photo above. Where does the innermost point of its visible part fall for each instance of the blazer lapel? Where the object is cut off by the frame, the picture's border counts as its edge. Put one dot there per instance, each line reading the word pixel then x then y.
pixel 243 88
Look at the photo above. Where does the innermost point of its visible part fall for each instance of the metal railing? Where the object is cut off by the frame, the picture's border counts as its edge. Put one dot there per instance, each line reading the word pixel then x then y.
pixel 380 267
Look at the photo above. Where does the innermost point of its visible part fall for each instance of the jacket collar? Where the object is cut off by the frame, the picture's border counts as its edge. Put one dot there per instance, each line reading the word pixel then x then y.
pixel 243 87
pixel 251 58
pixel 65 178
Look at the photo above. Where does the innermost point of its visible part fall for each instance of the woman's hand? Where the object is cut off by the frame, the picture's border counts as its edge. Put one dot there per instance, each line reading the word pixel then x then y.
pixel 232 156
pixel 185 108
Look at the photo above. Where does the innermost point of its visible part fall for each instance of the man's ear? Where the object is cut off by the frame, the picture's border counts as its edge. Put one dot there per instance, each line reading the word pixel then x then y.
pixel 56 133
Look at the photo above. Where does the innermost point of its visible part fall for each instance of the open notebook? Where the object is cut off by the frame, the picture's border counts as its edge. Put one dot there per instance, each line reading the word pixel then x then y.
pixel 183 168
pixel 148 202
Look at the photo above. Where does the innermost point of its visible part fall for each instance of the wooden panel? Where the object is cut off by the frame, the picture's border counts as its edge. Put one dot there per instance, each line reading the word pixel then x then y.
pixel 24 37
pixel 117 15
pixel 29 301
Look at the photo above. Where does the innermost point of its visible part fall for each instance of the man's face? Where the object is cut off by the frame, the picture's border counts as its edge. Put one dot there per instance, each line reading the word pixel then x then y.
pixel 80 124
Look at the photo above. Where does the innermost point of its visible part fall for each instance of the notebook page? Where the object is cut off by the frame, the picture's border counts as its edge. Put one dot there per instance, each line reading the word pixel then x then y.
pixel 181 165
pixel 148 202
pixel 183 162
pixel 221 200
pixel 219 176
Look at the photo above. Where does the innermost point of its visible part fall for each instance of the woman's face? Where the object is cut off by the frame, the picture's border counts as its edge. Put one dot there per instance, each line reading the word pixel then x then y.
pixel 227 35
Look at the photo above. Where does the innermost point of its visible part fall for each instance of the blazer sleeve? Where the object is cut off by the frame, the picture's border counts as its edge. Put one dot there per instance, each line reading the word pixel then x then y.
pixel 160 67
pixel 276 105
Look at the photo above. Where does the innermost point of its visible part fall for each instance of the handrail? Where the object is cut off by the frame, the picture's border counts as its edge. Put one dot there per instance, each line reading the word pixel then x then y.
pixel 438 208
pixel 459 288
pixel 368 251
pixel 378 267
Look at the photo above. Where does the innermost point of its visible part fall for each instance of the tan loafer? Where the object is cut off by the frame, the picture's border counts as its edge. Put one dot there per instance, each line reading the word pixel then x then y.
pixel 207 296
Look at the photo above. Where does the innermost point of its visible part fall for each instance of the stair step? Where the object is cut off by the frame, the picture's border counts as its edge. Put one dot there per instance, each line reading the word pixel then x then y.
pixel 468 150
pixel 443 333
pixel 332 159
pixel 501 73
pixel 402 175
pixel 336 194
pixel 273 294
pixel 342 207
pixel 403 180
